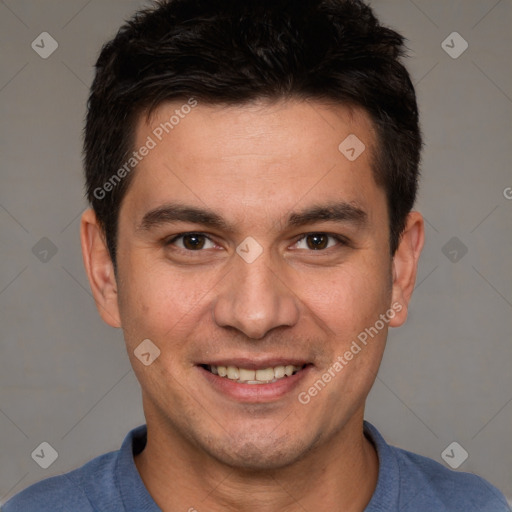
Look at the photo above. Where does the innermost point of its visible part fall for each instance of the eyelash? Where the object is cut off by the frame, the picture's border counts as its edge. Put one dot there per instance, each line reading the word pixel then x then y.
pixel 342 241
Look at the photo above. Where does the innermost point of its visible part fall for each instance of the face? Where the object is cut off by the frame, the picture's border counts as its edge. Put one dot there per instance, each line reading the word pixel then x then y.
pixel 249 244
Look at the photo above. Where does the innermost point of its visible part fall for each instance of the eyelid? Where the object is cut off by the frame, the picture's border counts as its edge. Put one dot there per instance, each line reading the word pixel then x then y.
pixel 173 238
pixel 342 240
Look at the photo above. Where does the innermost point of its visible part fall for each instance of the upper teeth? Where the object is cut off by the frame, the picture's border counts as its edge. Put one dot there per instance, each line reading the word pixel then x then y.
pixel 254 376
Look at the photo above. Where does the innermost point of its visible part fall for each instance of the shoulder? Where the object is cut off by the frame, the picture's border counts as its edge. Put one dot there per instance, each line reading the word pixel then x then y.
pixel 427 482
pixel 69 491
pixel 413 483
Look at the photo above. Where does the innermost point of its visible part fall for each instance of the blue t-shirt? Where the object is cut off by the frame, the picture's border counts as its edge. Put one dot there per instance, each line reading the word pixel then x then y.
pixel 407 483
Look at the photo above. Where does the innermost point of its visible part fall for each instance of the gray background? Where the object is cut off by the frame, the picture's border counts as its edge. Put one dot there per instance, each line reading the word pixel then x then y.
pixel 446 376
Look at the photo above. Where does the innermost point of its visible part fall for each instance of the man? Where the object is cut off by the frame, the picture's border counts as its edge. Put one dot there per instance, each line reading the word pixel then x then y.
pixel 252 168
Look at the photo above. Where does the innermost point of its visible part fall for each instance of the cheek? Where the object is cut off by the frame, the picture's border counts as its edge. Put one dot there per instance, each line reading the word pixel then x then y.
pixel 349 299
pixel 161 303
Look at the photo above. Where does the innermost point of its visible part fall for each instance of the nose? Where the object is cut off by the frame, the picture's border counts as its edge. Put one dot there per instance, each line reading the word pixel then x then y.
pixel 255 299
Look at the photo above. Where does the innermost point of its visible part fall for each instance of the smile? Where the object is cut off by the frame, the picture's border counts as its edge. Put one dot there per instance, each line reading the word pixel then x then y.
pixel 254 376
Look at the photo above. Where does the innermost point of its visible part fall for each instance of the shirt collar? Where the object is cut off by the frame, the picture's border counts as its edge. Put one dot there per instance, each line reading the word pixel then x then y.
pixel 136 497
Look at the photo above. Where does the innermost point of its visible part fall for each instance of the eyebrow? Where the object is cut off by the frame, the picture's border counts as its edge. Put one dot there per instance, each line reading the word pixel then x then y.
pixel 337 212
pixel 342 212
pixel 169 213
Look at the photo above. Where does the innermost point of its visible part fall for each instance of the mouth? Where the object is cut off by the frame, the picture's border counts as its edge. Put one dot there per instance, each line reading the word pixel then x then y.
pixel 249 381
pixel 267 375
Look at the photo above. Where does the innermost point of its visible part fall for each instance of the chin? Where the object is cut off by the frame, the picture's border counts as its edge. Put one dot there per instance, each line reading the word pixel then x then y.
pixel 259 453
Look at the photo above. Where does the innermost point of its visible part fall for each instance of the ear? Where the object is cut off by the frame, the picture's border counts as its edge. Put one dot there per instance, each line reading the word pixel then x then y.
pixel 99 268
pixel 405 265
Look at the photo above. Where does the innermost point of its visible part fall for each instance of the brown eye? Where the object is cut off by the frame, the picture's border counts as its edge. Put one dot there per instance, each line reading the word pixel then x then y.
pixel 191 242
pixel 320 241
pixel 317 241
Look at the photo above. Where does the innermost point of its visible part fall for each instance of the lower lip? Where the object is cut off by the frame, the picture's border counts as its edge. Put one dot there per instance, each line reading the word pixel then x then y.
pixel 255 393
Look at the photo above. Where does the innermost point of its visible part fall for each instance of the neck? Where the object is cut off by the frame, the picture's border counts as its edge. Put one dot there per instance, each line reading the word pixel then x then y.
pixel 340 474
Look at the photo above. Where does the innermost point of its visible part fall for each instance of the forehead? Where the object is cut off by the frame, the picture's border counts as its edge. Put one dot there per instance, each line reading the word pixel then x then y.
pixel 264 128
pixel 260 158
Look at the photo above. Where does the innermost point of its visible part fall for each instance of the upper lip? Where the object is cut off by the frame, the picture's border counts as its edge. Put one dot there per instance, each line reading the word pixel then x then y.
pixel 256 364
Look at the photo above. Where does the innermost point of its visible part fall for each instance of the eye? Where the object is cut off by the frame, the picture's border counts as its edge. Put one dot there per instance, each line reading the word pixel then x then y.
pixel 191 242
pixel 319 241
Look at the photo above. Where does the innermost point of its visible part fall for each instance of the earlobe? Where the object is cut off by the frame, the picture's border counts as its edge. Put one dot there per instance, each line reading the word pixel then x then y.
pixel 405 265
pixel 99 268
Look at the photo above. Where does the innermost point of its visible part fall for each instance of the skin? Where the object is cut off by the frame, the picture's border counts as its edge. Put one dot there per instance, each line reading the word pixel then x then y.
pixel 254 165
